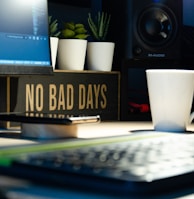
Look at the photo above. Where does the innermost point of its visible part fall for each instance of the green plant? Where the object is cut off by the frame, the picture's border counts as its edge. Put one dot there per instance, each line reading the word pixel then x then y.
pixel 74 31
pixel 99 25
pixel 53 27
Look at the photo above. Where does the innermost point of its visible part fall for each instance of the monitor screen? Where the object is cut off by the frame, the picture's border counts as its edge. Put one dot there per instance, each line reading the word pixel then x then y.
pixel 24 37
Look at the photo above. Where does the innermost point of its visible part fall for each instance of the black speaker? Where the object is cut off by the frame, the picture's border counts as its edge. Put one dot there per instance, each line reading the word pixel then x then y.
pixel 153 29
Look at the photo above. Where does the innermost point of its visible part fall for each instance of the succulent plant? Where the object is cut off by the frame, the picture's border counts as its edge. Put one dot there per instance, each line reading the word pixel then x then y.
pixel 99 25
pixel 53 27
pixel 74 31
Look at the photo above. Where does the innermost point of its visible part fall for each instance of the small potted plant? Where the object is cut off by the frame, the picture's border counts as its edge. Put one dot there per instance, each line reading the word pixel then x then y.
pixel 54 34
pixel 99 51
pixel 72 46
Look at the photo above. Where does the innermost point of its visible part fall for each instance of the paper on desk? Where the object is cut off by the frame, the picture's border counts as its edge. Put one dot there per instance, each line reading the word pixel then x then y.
pixel 87 130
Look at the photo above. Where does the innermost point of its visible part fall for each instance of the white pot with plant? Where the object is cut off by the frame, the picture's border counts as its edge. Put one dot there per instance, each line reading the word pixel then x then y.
pixel 72 47
pixel 54 34
pixel 100 52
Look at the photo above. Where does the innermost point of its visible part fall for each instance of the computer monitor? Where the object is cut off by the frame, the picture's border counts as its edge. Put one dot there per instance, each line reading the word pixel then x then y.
pixel 24 37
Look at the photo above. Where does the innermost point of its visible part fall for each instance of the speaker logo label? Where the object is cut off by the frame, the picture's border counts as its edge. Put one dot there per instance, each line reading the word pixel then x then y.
pixel 158 55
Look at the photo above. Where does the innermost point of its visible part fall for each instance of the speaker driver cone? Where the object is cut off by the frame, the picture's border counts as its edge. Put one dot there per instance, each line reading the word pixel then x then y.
pixel 156 26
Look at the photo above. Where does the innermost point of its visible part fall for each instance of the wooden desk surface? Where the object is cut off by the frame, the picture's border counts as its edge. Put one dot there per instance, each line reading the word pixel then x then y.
pixel 102 129
pixel 16 188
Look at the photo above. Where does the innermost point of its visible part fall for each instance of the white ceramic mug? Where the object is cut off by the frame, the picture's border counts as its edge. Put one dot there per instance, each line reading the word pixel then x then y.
pixel 171 95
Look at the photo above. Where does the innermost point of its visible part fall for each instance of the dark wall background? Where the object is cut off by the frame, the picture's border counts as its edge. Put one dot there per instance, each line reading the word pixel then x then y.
pixel 65 13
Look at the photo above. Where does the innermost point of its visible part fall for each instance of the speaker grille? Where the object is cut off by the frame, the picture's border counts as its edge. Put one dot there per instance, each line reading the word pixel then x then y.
pixel 157 26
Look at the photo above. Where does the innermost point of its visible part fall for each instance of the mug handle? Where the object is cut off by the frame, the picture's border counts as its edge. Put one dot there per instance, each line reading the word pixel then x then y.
pixel 191 117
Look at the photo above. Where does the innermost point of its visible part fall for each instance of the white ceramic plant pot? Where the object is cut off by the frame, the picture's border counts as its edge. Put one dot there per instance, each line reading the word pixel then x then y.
pixel 100 55
pixel 54 47
pixel 71 54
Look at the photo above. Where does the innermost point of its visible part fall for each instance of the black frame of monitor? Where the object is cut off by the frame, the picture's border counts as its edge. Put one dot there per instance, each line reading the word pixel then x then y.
pixel 25 70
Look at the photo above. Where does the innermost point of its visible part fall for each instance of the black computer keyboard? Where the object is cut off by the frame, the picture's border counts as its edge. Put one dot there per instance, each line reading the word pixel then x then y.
pixel 145 162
